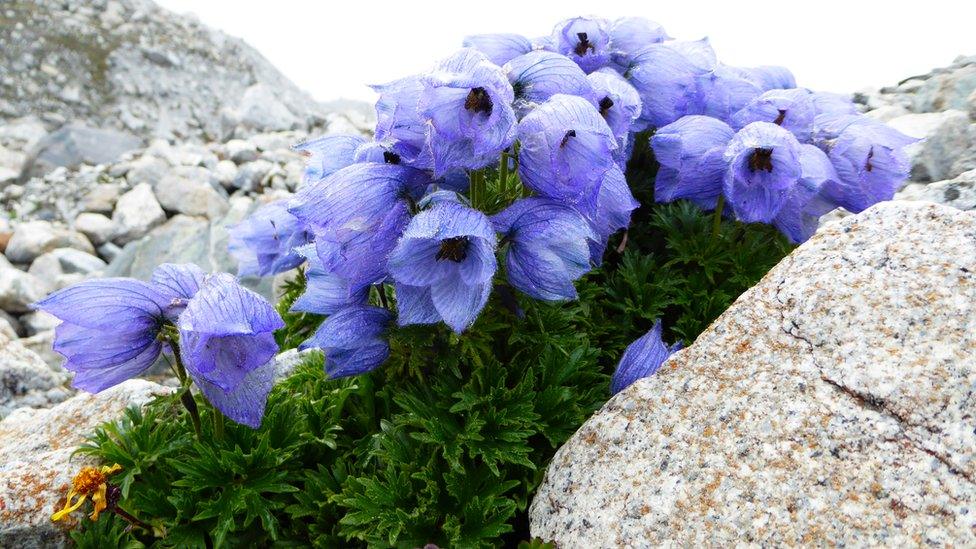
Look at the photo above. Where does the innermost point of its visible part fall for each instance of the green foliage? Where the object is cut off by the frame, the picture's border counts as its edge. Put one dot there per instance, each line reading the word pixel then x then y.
pixel 447 442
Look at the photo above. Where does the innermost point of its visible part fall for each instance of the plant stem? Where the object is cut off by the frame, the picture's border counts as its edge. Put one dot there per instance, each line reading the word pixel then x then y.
pixel 503 175
pixel 133 521
pixel 186 397
pixel 218 423
pixel 717 220
pixel 383 299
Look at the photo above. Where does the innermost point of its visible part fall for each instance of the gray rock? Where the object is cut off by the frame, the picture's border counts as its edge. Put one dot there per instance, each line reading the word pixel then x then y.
pixel 25 380
pixel 42 344
pixel 109 251
pixel 948 90
pixel 136 213
pixel 63 267
pixel 959 193
pixel 98 228
pixel 34 238
pixel 79 144
pixel 226 173
pixel 12 322
pixel 11 165
pixel 262 110
pixel 831 405
pixel 186 239
pixel 251 177
pixel 240 151
pixel 36 461
pixel 101 198
pixel 146 169
pixel 192 191
pixel 36 322
pixel 949 144
pixel 19 289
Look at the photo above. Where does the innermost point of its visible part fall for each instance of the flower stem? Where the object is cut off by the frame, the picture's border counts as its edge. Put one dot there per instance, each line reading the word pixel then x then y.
pixel 133 521
pixel 218 423
pixel 503 175
pixel 717 220
pixel 383 299
pixel 185 396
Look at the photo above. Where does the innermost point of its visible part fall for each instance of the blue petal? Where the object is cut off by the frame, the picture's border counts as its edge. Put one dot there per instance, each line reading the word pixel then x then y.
pixel 757 189
pixel 691 152
pixel 108 303
pixel 325 292
pixel 629 35
pixel 499 48
pixel 102 358
pixel 538 75
pixel 792 109
pixel 245 403
pixel 585 40
pixel 459 304
pixel 327 155
pixel 178 283
pixel 642 358
pixel 668 84
pixel 415 306
pixel 352 340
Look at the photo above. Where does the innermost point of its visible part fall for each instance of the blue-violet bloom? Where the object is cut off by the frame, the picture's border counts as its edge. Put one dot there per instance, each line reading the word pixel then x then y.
pixel 642 358
pixel 443 266
pixel 538 75
pixel 793 109
pixel 764 165
pixel 667 82
pixel 353 340
pixel 327 155
pixel 264 242
pixel 628 35
pixel 691 152
pixel 499 48
pixel 584 40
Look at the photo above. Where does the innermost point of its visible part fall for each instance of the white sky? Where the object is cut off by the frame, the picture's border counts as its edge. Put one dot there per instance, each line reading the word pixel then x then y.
pixel 333 48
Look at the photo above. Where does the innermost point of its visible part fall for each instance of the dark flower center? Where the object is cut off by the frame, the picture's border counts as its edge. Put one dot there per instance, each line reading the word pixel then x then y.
pixel 584 44
pixel 454 249
pixel 779 119
pixel 867 165
pixel 391 157
pixel 761 159
pixel 605 105
pixel 478 100
pixel 570 133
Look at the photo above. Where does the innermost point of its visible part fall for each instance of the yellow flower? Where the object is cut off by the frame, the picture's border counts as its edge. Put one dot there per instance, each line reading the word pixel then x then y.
pixel 90 481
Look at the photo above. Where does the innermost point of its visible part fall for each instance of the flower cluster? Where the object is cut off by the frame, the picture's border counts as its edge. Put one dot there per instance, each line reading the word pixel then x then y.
pixel 551 124
pixel 220 335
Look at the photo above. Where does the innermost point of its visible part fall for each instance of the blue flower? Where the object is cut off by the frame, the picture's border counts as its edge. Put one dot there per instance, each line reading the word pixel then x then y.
pixel 467 102
pixel 618 103
pixel 584 40
pixel 691 152
pixel 698 52
pixel 327 155
pixel 767 77
pixel 800 215
pixel 352 339
pixel 226 331
pixel 499 48
pixel 763 166
pixel 609 212
pixel 667 82
pixel 869 157
pixel 443 266
pixel 642 358
pixel 548 247
pixel 538 75
pixel 399 124
pixel 566 148
pixel 793 109
pixel 264 242
pixel 725 91
pixel 629 35
pixel 325 291
pixel 108 331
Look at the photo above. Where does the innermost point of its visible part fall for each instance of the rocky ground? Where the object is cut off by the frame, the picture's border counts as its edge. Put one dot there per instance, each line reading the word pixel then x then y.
pixel 130 136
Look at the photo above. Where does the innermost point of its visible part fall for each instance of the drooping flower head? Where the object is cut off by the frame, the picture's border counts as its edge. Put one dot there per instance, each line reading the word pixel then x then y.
pixel 353 341
pixel 609 212
pixel 667 82
pixel 499 48
pixel 443 266
pixel 764 165
pixel 768 77
pixel 357 214
pixel 327 155
pixel 178 283
pixel 869 157
pixel 793 109
pixel 725 91
pixel 800 215
pixel 629 35
pixel 698 52
pixel 566 148
pixel 538 75
pixel 642 358
pixel 548 247
pixel 227 344
pixel 584 40
pixel 264 242
pixel 617 101
pixel 467 101
pixel 399 124
pixel 108 331
pixel 691 152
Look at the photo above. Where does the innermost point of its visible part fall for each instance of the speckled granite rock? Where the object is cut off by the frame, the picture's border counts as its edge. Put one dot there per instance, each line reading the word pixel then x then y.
pixel 832 404
pixel 36 466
